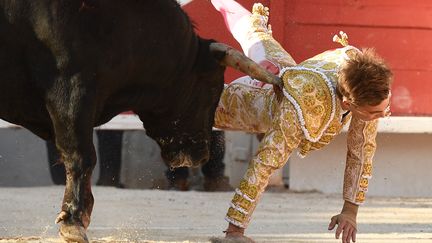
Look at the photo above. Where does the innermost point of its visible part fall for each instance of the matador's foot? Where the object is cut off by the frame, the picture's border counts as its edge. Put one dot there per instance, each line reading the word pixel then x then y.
pixel 71 232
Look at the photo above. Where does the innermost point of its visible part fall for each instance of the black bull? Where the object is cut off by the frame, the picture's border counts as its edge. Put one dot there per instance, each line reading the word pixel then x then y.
pixel 67 66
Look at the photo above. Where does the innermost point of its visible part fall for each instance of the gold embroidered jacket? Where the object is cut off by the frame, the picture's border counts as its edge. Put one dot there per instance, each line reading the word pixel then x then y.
pixel 308 117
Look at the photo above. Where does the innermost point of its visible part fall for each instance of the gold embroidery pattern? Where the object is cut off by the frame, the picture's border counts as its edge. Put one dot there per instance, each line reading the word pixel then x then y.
pixel 326 139
pixel 276 54
pixel 330 62
pixel 334 128
pixel 249 190
pixel 316 113
pixel 242 202
pixel 367 170
pixel 236 215
pixel 364 182
pixel 305 147
pixel 358 170
pixel 360 198
pixel 246 108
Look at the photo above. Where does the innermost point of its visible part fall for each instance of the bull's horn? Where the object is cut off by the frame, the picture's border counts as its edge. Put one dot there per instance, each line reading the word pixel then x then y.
pixel 239 61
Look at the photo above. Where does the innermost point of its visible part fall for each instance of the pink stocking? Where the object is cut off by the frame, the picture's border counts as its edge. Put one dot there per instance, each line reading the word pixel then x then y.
pixel 231 11
pixel 234 15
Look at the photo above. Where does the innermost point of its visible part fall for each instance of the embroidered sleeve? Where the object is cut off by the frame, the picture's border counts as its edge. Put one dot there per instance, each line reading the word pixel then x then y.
pixel 361 149
pixel 273 152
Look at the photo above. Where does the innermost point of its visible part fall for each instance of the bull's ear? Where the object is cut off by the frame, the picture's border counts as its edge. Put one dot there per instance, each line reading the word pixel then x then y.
pixel 231 57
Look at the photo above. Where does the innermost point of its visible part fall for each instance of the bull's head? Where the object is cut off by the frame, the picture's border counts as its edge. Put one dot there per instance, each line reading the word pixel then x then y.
pixel 185 151
pixel 184 138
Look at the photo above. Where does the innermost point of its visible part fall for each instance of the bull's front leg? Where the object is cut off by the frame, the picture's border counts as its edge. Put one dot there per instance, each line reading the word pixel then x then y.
pixel 72 123
pixel 77 205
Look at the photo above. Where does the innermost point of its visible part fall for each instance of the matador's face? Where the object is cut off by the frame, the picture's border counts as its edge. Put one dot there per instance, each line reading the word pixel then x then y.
pixel 368 112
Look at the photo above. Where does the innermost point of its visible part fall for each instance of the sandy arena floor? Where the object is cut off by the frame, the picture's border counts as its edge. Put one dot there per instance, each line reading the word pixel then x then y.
pixel 121 215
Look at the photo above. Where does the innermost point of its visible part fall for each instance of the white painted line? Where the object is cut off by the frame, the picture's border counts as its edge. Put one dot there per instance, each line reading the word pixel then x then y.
pixel 123 122
pixel 184 2
pixel 394 124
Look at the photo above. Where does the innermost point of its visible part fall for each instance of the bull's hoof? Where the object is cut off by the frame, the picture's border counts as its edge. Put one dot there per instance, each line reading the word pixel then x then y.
pixel 73 233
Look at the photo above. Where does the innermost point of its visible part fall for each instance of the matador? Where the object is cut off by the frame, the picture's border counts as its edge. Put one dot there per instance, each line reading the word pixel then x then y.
pixel 319 96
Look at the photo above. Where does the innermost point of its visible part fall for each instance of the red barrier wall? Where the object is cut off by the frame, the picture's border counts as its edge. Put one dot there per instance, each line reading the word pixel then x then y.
pixel 400 31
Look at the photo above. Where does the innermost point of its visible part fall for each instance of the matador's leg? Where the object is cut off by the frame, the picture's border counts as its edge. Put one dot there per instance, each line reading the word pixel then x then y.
pixel 252 32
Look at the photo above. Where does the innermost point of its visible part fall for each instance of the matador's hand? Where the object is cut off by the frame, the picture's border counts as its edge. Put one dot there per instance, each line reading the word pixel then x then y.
pixel 346 222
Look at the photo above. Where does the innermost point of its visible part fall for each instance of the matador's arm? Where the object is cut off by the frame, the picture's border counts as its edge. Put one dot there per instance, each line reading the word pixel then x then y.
pixel 361 149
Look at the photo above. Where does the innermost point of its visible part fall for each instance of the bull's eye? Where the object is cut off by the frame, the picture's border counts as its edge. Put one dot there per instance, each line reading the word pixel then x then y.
pixel 161 141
